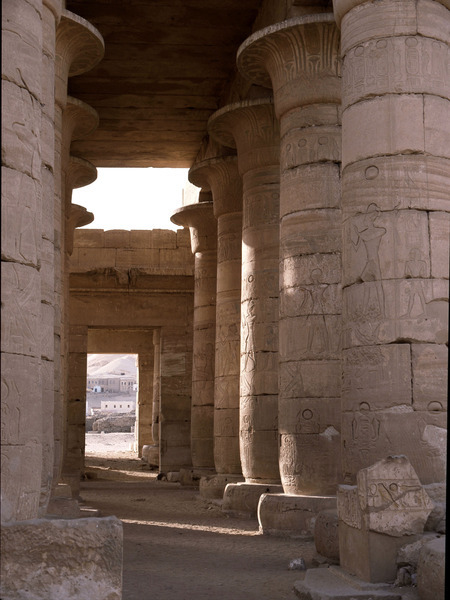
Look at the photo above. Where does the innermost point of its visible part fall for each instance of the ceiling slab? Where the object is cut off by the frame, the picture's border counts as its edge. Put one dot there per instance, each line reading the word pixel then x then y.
pixel 166 66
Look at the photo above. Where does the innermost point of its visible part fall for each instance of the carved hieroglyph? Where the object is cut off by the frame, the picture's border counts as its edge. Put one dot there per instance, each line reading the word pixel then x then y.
pixel 251 127
pixel 388 498
pixel 299 57
pixel 395 205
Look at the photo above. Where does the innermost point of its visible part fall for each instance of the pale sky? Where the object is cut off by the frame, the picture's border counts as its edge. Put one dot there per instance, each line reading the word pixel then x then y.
pixel 142 198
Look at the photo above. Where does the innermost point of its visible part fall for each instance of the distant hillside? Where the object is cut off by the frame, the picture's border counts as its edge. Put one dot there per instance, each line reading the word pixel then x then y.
pixel 111 365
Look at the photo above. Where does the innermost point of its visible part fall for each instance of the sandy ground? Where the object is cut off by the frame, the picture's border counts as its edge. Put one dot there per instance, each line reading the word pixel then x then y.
pixel 178 546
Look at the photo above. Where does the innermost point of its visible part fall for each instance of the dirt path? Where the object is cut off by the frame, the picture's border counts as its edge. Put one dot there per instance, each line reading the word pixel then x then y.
pixel 178 546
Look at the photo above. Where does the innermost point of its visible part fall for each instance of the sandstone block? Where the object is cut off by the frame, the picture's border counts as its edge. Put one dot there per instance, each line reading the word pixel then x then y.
pixel 241 499
pixel 291 515
pixel 326 533
pixel 89 238
pixel 383 126
pixel 396 182
pixel 317 185
pixel 431 570
pixel 55 558
pixel 21 306
pixel 21 120
pixel 214 485
pixel 307 232
pixel 429 371
pixel 420 435
pixel 22 37
pixel 376 517
pixel 21 235
pixel 439 241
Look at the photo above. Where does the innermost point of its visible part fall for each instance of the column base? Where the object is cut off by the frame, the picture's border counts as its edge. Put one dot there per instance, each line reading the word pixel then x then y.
pixel 332 583
pixel 150 454
pixel 291 516
pixel 191 477
pixel 62 558
pixel 241 499
pixel 213 486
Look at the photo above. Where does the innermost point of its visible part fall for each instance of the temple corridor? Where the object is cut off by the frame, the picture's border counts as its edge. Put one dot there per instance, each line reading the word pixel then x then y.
pixel 180 546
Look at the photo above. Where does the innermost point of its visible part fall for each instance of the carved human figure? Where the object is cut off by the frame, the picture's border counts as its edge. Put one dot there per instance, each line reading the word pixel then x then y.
pixel 415 268
pixel 318 338
pixel 365 230
pixel 248 325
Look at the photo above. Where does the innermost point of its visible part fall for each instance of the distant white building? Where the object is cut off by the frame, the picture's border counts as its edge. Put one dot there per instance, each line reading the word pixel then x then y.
pixel 118 405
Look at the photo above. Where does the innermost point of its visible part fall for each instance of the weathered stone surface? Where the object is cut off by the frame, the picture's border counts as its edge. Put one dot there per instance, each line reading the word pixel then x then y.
pixel 387 506
pixel 115 423
pixel 421 435
pixel 429 374
pixel 54 559
pixel 431 570
pixel 214 485
pixel 241 499
pixel 326 533
pixel 291 515
pixel 331 583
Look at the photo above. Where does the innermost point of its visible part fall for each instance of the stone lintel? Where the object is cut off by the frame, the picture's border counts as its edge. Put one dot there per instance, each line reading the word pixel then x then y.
pixel 200 219
pixel 242 499
pixel 291 516
pixel 298 57
pixel 221 176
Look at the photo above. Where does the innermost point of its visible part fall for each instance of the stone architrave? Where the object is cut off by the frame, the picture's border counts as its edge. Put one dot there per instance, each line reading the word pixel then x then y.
pixel 300 59
pixel 395 189
pixel 222 177
pixel 79 47
pixel 381 513
pixel 251 127
pixel 202 224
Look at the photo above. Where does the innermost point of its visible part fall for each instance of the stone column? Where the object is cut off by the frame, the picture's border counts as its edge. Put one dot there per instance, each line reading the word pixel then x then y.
pixel 222 177
pixel 74 414
pixel 79 47
pixel 51 14
pixel 200 219
pixel 23 95
pixel 251 127
pixel 156 384
pixel 395 202
pixel 79 120
pixel 300 59
pixel 144 404
pixel 175 399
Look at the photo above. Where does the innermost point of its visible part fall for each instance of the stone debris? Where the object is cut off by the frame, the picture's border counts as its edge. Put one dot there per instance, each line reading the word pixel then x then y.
pixel 297 564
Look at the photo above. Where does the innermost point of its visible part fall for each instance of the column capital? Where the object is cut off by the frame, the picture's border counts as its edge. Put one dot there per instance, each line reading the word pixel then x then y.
pixel 80 172
pixel 221 175
pixel 252 127
pixel 78 217
pixel 79 47
pixel 199 217
pixel 299 58
pixel 79 119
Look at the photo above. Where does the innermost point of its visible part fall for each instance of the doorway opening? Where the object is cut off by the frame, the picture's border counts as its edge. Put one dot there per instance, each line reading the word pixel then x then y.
pixel 111 392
